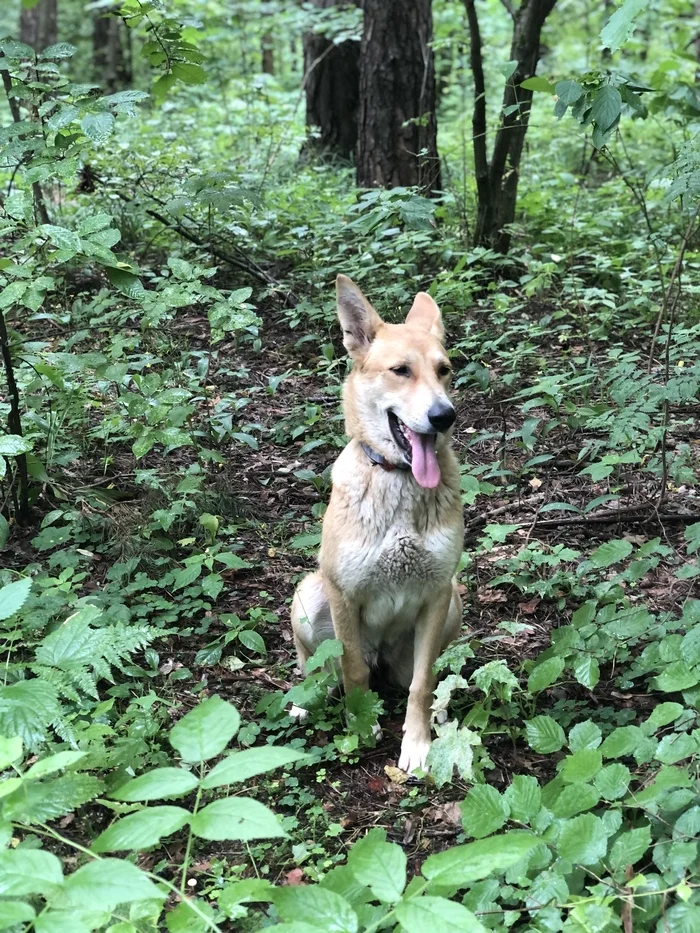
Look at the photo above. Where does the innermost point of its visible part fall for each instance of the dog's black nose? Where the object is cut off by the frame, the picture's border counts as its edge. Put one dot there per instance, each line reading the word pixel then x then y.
pixel 441 416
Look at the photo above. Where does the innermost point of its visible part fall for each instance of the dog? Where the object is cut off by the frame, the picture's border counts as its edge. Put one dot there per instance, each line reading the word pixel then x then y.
pixel 393 531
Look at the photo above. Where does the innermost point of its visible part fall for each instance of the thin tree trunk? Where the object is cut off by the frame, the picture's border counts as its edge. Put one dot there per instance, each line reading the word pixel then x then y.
pixel 268 54
pixel 332 83
pixel 397 129
pixel 111 51
pixel 38 27
pixel 497 185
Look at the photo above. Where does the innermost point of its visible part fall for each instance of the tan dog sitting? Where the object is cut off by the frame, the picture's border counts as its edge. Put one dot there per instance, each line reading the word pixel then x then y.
pixel 393 531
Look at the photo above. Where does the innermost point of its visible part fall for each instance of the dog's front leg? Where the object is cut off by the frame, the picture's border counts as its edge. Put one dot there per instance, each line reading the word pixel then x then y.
pixel 346 624
pixel 427 643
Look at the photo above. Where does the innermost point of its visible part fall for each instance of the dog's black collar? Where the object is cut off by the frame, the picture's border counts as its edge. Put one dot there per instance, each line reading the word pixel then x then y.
pixel 378 460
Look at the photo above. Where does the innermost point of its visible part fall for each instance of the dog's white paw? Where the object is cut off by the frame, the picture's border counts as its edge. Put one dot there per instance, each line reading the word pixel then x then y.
pixel 441 717
pixel 377 732
pixel 413 754
pixel 298 712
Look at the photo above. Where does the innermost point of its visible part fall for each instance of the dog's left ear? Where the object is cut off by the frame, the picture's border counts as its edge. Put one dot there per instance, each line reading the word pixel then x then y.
pixel 359 320
pixel 425 314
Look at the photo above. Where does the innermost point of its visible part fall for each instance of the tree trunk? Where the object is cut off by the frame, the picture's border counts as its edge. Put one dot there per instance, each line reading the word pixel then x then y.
pixel 397 128
pixel 111 51
pixel 268 54
pixel 38 27
pixel 497 179
pixel 332 82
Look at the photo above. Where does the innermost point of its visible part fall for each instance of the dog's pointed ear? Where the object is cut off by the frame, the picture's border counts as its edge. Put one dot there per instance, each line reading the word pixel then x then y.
pixel 357 317
pixel 425 314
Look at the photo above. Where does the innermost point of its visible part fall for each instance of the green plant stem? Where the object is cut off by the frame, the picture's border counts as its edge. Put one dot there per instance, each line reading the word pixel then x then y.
pixel 190 837
pixel 14 420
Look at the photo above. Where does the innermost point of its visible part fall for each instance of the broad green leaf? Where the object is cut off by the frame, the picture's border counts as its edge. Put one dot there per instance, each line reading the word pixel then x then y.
pixel 662 715
pixel 73 642
pixel 544 735
pixel 13 596
pixel 10 750
pixel 53 763
pixel 105 883
pixel 58 51
pixel 547 887
pixel 427 914
pixel 680 918
pixel 582 766
pixel 184 918
pixel 240 766
pixel 538 84
pixel 29 871
pixel 253 641
pixel 612 781
pixel 692 537
pixel 380 865
pixel 690 645
pixel 583 840
pixel 611 552
pixel 524 798
pixel 4 524
pixel 568 92
pixel 484 811
pixel 12 445
pixel 98 126
pixel 621 24
pixel 586 670
pixel 26 709
pixel 60 237
pixel 189 73
pixel 545 674
pixel 585 735
pixel 75 921
pixel 452 749
pixel 321 909
pixel 629 848
pixel 206 730
pixel 621 741
pixel 236 818
pixel 141 830
pixel 127 283
pixel 460 865
pixel 574 799
pixel 12 913
pixel 156 785
pixel 676 747
pixel 677 676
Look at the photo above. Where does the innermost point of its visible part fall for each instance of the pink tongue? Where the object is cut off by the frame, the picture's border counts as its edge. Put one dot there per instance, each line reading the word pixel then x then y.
pixel 424 463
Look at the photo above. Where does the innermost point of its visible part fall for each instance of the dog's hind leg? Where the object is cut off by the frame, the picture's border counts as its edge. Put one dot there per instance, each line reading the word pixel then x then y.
pixel 311 623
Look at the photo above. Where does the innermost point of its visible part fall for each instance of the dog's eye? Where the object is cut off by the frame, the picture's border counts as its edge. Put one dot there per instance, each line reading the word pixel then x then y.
pixel 444 370
pixel 401 370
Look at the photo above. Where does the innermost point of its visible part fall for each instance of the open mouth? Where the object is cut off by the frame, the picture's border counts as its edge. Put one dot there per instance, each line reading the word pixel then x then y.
pixel 418 450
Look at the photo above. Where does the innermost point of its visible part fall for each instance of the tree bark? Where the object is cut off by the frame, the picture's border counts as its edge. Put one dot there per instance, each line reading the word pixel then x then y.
pixel 332 82
pixel 38 27
pixel 111 51
pixel 497 178
pixel 397 127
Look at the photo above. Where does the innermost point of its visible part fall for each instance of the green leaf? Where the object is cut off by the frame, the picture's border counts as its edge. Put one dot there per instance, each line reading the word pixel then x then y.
pixel 98 126
pixel 629 848
pixel 74 921
pixel 141 830
pixel 484 811
pixel 58 51
pixel 676 747
pixel 621 741
pixel 585 735
pixel 10 750
pixel 26 709
pixel 4 525
pixel 586 670
pixel 12 445
pixel 188 73
pixel 690 645
pixel 13 596
pixel 537 84
pixel 380 865
pixel 126 282
pixel 237 818
pixel 662 715
pixel 52 764
pixel 206 730
pixel 568 92
pixel 253 641
pixel 156 785
pixel 240 766
pixel 680 918
pixel 427 914
pixel 583 840
pixel 545 674
pixel 320 908
pixel 621 24
pixel 460 865
pixel 105 883
pixel 676 677
pixel 452 749
pixel 612 781
pixel 544 735
pixel 692 537
pixel 13 913
pixel 29 871
pixel 183 918
pixel 576 798
pixel 611 552
pixel 582 766
pixel 524 798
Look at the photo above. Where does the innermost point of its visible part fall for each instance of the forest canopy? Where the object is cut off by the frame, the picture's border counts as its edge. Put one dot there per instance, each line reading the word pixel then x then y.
pixel 180 184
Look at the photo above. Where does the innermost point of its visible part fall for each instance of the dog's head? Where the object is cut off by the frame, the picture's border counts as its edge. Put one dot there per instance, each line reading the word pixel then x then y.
pixel 396 398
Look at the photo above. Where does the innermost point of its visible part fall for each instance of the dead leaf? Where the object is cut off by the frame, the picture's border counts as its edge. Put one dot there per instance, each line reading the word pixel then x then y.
pixel 529 607
pixel 395 775
pixel 535 483
pixel 376 785
pixel 492 596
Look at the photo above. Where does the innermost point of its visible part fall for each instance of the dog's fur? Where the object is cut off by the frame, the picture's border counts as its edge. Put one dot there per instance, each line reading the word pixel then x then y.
pixel 390 546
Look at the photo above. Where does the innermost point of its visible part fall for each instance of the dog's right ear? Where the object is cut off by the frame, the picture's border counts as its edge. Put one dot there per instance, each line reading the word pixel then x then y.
pixel 358 318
